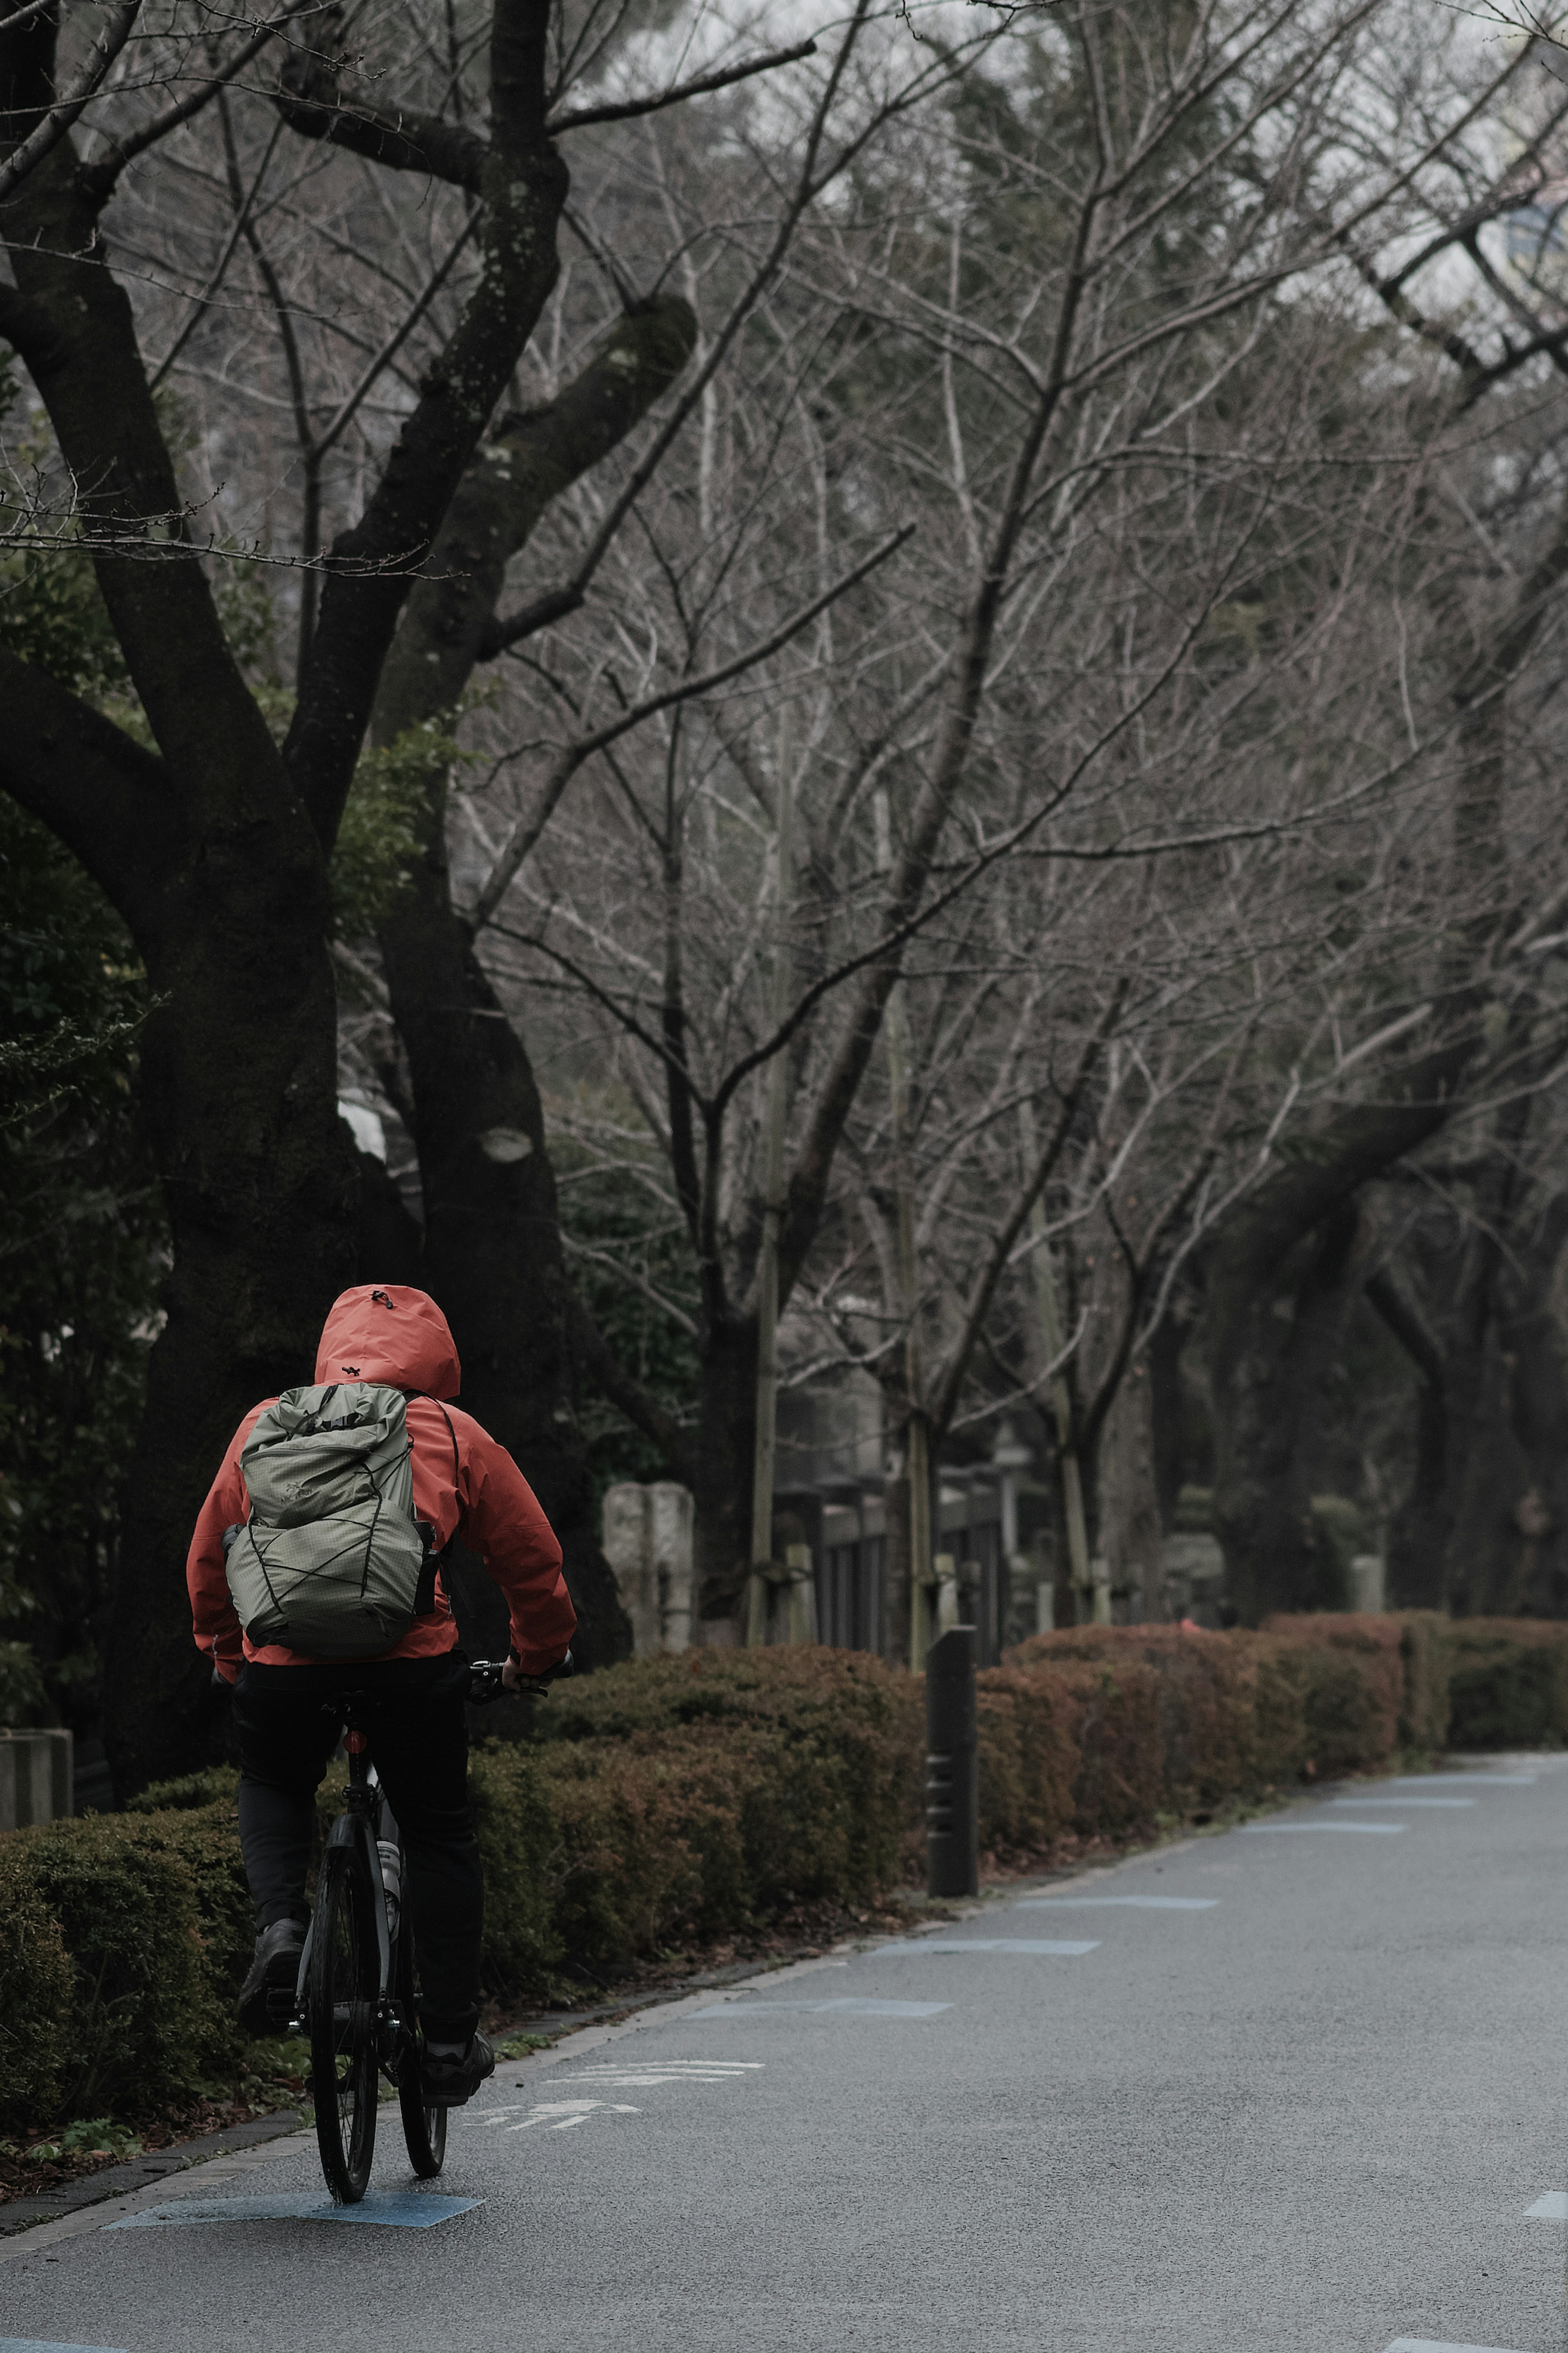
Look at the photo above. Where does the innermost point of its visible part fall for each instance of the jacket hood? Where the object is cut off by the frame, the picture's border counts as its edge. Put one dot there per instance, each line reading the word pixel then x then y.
pixel 385 1332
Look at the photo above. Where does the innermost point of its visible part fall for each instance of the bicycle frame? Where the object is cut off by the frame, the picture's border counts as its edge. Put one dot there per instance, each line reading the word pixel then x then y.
pixel 356 1827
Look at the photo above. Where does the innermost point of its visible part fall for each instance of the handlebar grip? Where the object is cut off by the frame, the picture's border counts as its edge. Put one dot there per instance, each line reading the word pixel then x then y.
pixel 485 1679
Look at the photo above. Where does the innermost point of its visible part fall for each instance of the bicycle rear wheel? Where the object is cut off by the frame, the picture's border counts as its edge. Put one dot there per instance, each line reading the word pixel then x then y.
pixel 343 1994
pixel 423 2128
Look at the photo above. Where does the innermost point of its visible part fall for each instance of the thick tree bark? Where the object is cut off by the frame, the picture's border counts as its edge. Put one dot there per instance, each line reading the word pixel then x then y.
pixel 214 864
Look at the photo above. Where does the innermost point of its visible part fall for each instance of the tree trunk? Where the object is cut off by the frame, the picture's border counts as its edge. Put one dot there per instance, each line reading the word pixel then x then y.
pixel 1276 1333
pixel 1131 1537
pixel 492 1243
pixel 221 878
pixel 728 1421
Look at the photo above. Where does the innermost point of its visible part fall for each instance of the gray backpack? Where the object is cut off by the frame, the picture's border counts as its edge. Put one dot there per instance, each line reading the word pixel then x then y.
pixel 332 1560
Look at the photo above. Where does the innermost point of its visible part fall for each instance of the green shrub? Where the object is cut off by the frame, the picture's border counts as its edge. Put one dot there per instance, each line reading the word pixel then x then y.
pixel 518 1841
pixel 142 2026
pixel 1204 1703
pixel 1425 1654
pixel 1352 1675
pixel 1508 1683
pixel 38 1989
pixel 704 1794
pixel 218 1785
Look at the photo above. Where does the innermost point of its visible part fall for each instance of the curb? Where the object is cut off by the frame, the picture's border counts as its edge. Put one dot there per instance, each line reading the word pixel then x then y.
pixel 115 2180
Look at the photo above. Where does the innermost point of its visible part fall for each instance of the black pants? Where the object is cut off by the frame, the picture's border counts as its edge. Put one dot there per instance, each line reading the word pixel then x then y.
pixel 412 1710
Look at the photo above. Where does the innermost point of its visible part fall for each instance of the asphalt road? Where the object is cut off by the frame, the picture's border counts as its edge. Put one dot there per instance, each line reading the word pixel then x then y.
pixel 1302 2102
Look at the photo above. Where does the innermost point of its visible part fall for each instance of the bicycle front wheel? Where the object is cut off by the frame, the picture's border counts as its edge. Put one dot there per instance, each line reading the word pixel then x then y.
pixel 425 2129
pixel 342 1992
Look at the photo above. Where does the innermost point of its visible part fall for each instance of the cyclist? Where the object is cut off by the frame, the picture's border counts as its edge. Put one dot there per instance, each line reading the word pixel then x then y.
pixel 465 1485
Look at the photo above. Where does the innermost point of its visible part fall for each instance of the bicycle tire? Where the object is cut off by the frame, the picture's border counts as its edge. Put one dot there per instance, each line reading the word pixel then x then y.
pixel 343 1998
pixel 423 2128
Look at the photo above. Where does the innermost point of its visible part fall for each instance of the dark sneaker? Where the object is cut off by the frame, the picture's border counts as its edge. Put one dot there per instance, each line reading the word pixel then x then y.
pixel 267 1997
pixel 449 2082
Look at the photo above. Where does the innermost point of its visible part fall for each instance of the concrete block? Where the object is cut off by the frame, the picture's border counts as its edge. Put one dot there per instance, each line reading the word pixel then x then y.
pixel 34 1777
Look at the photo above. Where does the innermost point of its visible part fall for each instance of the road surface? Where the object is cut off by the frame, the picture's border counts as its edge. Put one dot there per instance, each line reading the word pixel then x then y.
pixel 1294 2088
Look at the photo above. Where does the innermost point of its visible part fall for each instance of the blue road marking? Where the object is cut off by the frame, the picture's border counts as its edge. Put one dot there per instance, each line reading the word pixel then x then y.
pixel 854 2005
pixel 407 2209
pixel 985 1944
pixel 1366 1829
pixel 1132 1903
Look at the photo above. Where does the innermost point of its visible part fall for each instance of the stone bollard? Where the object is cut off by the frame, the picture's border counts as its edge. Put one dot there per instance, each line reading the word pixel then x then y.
pixel 647 1538
pixel 34 1777
pixel 797 1613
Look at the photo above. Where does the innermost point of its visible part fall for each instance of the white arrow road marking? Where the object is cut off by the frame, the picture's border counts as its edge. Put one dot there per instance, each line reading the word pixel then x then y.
pixel 1132 1903
pixel 1402 1801
pixel 1552 2208
pixel 1452 1780
pixel 649 2072
pixel 558 2115
pixel 1369 1829
pixel 985 1944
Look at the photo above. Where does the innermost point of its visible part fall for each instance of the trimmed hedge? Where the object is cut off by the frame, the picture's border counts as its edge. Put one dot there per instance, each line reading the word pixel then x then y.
pixel 696 1796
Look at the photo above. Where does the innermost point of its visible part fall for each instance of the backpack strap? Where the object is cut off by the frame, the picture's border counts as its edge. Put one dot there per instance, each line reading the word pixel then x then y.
pixel 436 1562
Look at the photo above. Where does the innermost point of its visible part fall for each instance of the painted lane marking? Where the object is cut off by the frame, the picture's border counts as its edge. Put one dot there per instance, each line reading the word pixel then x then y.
pixel 1369 1829
pixel 985 1944
pixel 1552 2208
pixel 1402 1801
pixel 854 2005
pixel 47 2344
pixel 1134 1903
pixel 1452 1780
pixel 408 2210
pixel 1430 2345
pixel 652 2071
pixel 556 2115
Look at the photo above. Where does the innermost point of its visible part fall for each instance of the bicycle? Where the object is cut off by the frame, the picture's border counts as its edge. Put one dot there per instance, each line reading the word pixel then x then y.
pixel 357 1996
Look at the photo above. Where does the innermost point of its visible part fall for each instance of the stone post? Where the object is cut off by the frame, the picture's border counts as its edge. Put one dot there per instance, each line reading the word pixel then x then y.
pixel 34 1777
pixel 672 1526
pixel 647 1538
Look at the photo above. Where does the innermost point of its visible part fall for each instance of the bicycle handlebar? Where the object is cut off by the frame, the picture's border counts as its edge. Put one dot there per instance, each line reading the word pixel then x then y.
pixel 485 1679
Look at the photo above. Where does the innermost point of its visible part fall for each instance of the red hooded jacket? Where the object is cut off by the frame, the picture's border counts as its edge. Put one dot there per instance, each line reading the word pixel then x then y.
pixel 464 1484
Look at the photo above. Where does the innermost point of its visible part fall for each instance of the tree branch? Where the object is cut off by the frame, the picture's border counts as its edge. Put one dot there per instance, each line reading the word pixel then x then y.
pixel 99 177
pixel 370 571
pixel 47 133
pixel 527 830
pixel 945 1399
pixel 404 140
pixel 598 1360
pixel 109 800
pixel 578 118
